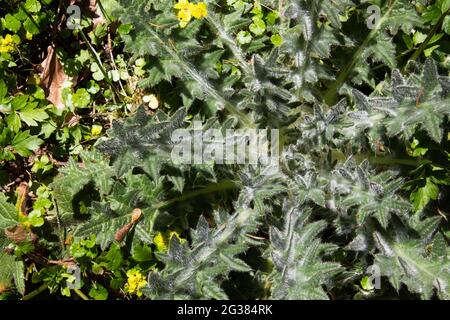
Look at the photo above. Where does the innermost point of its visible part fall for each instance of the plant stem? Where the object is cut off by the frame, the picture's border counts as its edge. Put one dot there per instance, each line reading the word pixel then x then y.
pixel 332 92
pixel 81 294
pixel 430 36
pixel 208 88
pixel 100 65
pixel 388 160
pixel 212 188
pixel 29 16
pixel 34 293
pixel 237 52
pixel 96 56
pixel 102 9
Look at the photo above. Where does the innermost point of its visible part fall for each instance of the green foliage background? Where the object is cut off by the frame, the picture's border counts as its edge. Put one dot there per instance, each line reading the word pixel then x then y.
pixel 363 179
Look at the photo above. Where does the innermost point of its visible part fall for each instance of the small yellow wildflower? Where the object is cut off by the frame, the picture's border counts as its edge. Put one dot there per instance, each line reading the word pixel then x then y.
pixel 7 44
pixel 136 281
pixel 184 16
pixel 182 5
pixel 161 240
pixel 96 130
pixel 24 221
pixel 199 10
pixel 188 10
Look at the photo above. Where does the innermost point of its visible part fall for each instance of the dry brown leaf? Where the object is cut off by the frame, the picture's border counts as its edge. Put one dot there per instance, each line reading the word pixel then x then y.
pixel 22 197
pixel 122 232
pixel 4 287
pixel 53 78
pixel 17 234
pixel 53 75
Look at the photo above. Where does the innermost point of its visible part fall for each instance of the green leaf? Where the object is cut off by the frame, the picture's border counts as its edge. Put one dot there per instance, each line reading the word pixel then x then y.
pixel 235 264
pixel 125 29
pixel 35 218
pixel 318 196
pixel 244 37
pixel 432 14
pixel 73 179
pixel 142 253
pixel 24 143
pixel 47 128
pixel 12 23
pixel 3 91
pixel 423 195
pixel 272 17
pixel 8 213
pixel 13 121
pixel 97 73
pixel 406 262
pixel 81 98
pixel 7 270
pixel 298 268
pixel 446 25
pixel 33 6
pixel 258 27
pixel 30 26
pixel 366 283
pixel 98 292
pixel 432 122
pixel 19 102
pixel 31 114
pixel 445 6
pixel 276 40
pixel 19 276
pixel 212 290
pixel 114 75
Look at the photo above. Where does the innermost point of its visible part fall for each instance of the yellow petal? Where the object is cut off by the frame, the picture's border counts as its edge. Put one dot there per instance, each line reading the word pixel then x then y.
pixel 183 24
pixel 160 241
pixel 96 130
pixel 184 16
pixel 182 4
pixel 203 9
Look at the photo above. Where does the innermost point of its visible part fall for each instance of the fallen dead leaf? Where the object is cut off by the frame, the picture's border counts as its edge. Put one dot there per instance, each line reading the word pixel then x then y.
pixel 17 234
pixel 53 78
pixel 122 232
pixel 4 287
pixel 22 197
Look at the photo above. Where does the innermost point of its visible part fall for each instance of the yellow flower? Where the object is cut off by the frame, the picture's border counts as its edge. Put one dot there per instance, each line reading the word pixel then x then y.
pixel 182 5
pixel 96 130
pixel 188 10
pixel 7 44
pixel 24 221
pixel 161 240
pixel 136 281
pixel 199 10
pixel 184 16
